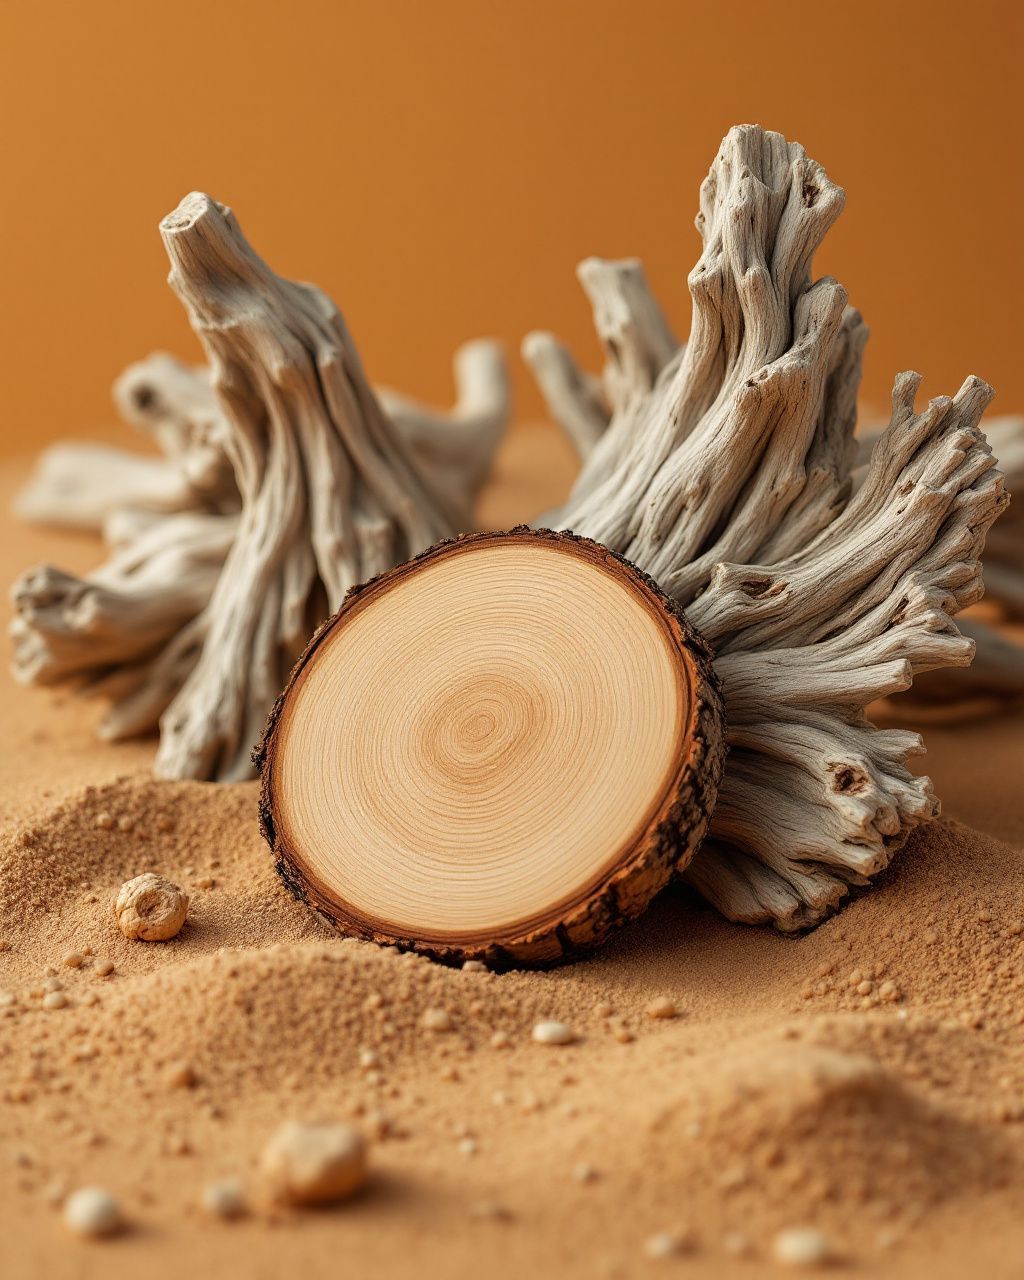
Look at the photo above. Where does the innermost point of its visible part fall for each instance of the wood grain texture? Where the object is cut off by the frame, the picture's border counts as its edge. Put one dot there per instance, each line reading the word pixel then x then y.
pixel 511 754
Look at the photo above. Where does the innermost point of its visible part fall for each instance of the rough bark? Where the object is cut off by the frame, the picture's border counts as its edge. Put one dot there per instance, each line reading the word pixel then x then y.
pixel 296 483
pixel 676 806
pixel 725 472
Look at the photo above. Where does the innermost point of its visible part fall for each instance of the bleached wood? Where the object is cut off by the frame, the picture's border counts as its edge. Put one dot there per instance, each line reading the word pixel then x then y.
pixel 197 617
pixel 75 485
pixel 997 669
pixel 726 473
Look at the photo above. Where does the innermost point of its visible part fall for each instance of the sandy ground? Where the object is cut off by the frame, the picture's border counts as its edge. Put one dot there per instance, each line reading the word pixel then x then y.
pixel 787 1092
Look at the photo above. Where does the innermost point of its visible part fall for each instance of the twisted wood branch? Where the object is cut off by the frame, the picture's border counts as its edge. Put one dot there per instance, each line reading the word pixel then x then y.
pixel 306 482
pixel 725 471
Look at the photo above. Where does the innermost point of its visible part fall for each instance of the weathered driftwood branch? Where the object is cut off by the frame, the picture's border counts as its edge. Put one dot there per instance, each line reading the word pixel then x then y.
pixel 997 669
pixel 724 471
pixel 77 485
pixel 331 490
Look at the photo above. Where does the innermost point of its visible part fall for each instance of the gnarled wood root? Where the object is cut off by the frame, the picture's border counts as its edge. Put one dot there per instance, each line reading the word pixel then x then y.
pixel 198 617
pixel 724 471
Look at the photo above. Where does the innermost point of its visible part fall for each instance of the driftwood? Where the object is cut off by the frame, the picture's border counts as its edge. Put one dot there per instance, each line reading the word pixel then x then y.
pixel 499 751
pixel 724 470
pixel 997 671
pixel 297 483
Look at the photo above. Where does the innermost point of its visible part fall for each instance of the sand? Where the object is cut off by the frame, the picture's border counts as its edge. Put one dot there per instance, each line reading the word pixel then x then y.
pixel 866 1079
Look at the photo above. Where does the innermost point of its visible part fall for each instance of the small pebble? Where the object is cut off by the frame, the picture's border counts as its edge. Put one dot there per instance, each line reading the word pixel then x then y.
pixel 490 1210
pixel 93 1213
pixel 553 1033
pixel 436 1020
pixel 103 968
pixel 662 1007
pixel 585 1173
pixel 801 1247
pixel 367 1058
pixel 105 822
pixel 469 1146
pixel 180 1075
pixel 474 966
pixel 314 1163
pixel 500 1040
pixel 666 1244
pixel 74 960
pixel 224 1199
pixel 150 908
pixel 55 1000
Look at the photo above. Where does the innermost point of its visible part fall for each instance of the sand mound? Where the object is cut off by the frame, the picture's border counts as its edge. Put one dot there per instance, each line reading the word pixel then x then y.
pixel 786 1122
pixel 856 1077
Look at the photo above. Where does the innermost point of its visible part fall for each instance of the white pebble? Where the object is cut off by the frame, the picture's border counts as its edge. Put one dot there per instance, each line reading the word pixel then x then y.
pixel 224 1199
pixel 54 1000
pixel 666 1244
pixel 801 1247
pixel 436 1020
pixel 314 1163
pixel 553 1033
pixel 92 1212
pixel 150 908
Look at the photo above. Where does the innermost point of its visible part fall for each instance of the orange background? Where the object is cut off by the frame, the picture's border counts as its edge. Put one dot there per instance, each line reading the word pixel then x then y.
pixel 439 167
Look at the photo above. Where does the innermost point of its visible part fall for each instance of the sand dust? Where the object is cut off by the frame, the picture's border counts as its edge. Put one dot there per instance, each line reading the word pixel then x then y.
pixel 866 1080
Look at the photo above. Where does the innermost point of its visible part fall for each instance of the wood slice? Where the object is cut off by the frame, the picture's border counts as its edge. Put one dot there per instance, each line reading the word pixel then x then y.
pixel 499 750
